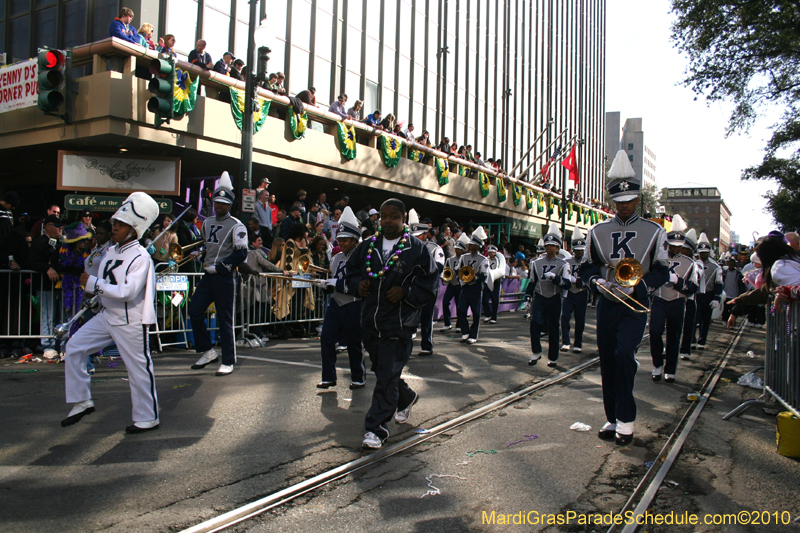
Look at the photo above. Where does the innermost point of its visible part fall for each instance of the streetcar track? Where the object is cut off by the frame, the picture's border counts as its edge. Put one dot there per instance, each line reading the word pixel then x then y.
pixel 283 496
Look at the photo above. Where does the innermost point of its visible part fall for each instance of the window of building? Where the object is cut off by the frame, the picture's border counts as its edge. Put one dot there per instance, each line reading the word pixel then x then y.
pixel 706 223
pixel 708 209
pixel 631 158
pixel 630 146
pixel 696 209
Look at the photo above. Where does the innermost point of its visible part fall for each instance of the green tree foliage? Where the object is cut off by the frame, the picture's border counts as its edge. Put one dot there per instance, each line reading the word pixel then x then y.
pixel 748 52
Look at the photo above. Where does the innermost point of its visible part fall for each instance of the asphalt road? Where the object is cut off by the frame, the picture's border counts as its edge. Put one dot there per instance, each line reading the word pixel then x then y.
pixel 228 441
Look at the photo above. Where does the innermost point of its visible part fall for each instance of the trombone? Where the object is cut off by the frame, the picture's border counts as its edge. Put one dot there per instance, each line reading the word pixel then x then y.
pixel 177 253
pixel 628 272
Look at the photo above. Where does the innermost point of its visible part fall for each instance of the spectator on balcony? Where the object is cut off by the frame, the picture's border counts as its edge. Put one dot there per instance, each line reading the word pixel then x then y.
pixel 338 107
pixel 355 111
pixel 166 44
pixel 121 27
pixel 146 36
pixel 223 66
pixel 273 203
pixel 310 217
pixel 308 96
pixel 425 139
pixel 479 159
pixel 409 132
pixel 363 213
pixel 200 57
pixel 341 204
pixel 301 200
pixel 263 215
pixel 468 153
pixel 374 120
pixel 279 84
pixel 388 123
pixel 322 202
pixel 292 218
pixel 272 82
pixel 236 70
pixel 444 146
pixel 371 223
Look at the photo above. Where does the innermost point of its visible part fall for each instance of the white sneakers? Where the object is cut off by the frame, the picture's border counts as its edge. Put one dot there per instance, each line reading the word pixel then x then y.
pixel 401 417
pixel 669 378
pixel 486 320
pixel 446 328
pixel 464 337
pixel 534 359
pixel 224 370
pixel 472 341
pixel 565 348
pixel 657 372
pixel 577 349
pixel 371 440
pixel 684 356
pixel 208 357
pixel 78 411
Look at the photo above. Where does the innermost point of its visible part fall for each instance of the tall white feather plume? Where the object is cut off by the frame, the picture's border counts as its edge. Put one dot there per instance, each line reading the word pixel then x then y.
pixel 413 217
pixel 691 236
pixel 703 239
pixel 348 217
pixel 621 167
pixel 554 230
pixel 225 181
pixel 577 235
pixel 678 224
pixel 463 238
pixel 480 233
pixel 540 243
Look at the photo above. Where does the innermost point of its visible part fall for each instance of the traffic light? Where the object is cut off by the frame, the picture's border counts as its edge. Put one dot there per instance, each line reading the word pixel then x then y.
pixel 162 85
pixel 263 58
pixel 52 88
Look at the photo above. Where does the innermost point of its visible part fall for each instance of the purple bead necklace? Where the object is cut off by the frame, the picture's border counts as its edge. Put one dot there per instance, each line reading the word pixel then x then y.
pixel 397 250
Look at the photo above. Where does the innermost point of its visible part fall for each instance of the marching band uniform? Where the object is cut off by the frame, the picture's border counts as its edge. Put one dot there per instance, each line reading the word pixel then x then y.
pixel 387 327
pixel 669 305
pixel 620 329
pixel 690 317
pixel 708 300
pixel 577 297
pixel 126 288
pixel 548 277
pixel 470 298
pixel 453 290
pixel 491 289
pixel 226 248
pixel 343 315
pixel 426 320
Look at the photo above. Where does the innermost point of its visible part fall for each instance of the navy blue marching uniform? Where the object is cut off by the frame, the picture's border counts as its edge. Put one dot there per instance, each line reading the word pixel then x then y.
pixel 491 290
pixel 452 290
pixel 708 300
pixel 690 316
pixel 342 321
pixel 426 320
pixel 575 303
pixel 548 277
pixel 471 292
pixel 620 329
pixel 668 311
pixel 226 248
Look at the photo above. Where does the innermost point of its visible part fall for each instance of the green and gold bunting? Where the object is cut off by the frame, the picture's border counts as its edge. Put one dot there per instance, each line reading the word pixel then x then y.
pixel 529 198
pixel 516 194
pixel 549 205
pixel 570 207
pixel 442 170
pixel 184 94
pixel 593 217
pixel 501 190
pixel 484 183
pixel 415 155
pixel 347 140
pixel 298 123
pixel 463 171
pixel 539 202
pixel 391 148
pixel 237 110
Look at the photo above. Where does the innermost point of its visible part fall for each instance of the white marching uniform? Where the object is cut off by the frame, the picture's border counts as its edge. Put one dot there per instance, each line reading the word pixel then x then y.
pixel 126 287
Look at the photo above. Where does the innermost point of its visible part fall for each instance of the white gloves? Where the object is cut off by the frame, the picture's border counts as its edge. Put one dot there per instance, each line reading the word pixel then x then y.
pixel 331 282
pixel 572 279
pixel 210 269
pixel 673 278
pixel 610 285
pixel 714 304
pixel 550 275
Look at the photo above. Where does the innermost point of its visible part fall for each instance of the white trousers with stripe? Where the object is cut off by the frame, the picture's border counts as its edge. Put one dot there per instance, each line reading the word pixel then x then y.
pixel 133 343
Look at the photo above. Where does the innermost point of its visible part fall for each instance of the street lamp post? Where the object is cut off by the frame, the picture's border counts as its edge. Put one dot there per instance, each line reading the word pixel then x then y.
pixel 254 35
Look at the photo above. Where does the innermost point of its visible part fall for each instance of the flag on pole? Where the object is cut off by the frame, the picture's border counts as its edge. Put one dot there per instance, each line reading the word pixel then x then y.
pixel 546 167
pixel 571 164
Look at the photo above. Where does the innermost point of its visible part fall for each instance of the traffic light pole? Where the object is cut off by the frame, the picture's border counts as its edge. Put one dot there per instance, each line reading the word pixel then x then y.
pixel 246 161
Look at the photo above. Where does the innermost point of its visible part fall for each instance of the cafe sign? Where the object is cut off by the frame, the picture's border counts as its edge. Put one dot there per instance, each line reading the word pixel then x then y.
pixel 79 171
pixel 107 204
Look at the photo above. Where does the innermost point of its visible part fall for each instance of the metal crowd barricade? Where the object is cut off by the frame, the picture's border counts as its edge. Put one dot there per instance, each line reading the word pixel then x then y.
pixel 31 309
pixel 173 326
pixel 781 363
pixel 270 301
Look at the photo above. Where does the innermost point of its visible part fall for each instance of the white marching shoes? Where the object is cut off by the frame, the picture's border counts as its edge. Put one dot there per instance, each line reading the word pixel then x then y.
pixel 224 370
pixel 657 372
pixel 534 359
pixel 208 357
pixel 78 411
pixel 565 347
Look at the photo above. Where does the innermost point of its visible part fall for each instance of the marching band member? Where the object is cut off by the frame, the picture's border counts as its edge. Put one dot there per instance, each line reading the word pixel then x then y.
pixel 549 275
pixel 453 290
pixel 226 248
pixel 619 328
pixel 708 300
pixel 577 296
pixel 471 290
pixel 690 316
pixel 421 231
pixel 491 288
pixel 343 315
pixel 397 277
pixel 669 304
pixel 126 288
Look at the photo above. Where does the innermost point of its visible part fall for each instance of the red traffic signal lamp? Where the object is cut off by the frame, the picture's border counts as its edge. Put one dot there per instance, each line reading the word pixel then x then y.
pixel 51 80
pixel 162 85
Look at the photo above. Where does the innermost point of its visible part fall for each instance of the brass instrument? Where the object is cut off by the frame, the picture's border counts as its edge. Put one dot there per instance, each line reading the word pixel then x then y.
pixel 466 274
pixel 177 253
pixel 303 263
pixel 628 272
pixel 447 274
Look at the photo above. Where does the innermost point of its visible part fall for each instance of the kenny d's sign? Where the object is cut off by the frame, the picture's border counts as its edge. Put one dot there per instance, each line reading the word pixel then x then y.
pixel 78 171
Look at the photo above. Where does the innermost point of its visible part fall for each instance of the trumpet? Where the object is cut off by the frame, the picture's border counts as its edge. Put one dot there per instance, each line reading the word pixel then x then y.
pixel 177 253
pixel 61 331
pixel 628 272
pixel 448 274
pixel 466 274
pixel 302 263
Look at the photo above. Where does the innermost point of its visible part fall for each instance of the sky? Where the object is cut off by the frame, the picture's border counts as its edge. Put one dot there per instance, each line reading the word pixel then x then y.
pixel 643 71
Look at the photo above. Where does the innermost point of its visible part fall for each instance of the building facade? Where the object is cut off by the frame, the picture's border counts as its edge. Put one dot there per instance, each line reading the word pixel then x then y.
pixel 629 136
pixel 703 209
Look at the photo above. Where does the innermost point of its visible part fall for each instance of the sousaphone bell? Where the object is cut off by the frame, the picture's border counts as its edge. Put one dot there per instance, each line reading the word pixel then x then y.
pixel 466 274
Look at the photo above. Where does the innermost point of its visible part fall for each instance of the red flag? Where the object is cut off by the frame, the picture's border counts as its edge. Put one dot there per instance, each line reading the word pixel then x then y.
pixel 546 172
pixel 571 164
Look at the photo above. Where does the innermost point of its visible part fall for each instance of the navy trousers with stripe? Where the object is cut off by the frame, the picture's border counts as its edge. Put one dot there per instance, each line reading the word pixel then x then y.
pixel 470 298
pixel 221 290
pixel 388 355
pixel 342 324
pixel 575 303
pixel 666 316
pixel 452 292
pixel 545 313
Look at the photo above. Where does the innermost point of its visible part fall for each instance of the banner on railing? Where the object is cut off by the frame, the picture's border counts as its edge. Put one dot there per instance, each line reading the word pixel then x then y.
pixel 19 86
pixel 237 110
pixel 347 140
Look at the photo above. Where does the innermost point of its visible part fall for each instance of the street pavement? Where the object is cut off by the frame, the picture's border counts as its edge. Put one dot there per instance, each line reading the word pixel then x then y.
pixel 226 441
